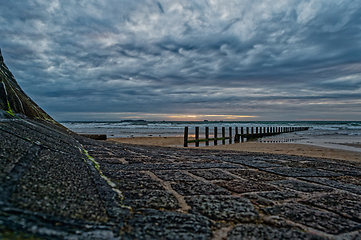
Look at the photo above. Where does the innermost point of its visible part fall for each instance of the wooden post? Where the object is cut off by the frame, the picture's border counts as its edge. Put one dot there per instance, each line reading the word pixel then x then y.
pixel 207 136
pixel 185 136
pixel 215 136
pixel 252 132
pixel 242 138
pixel 223 135
pixel 197 136
pixel 230 135
pixel 256 130
pixel 236 136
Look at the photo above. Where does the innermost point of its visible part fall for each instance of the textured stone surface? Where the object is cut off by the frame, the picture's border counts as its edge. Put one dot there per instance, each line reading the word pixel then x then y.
pixel 301 186
pixel 229 208
pixel 156 199
pixel 240 186
pixel 323 221
pixel 168 225
pixel 198 188
pixel 344 204
pixel 169 166
pixel 279 195
pixel 255 163
pixel 257 175
pixel 212 174
pixel 336 184
pixel 127 181
pixel 261 232
pixel 174 176
pixel 348 179
pixel 302 172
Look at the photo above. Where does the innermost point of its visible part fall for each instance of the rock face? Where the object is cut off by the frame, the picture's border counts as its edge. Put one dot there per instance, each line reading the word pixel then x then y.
pixel 14 101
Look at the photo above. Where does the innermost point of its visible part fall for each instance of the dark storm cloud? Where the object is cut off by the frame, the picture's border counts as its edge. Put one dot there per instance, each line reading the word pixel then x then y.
pixel 186 56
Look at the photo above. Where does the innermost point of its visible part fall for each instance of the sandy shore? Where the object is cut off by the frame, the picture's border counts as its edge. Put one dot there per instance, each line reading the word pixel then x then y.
pixel 279 148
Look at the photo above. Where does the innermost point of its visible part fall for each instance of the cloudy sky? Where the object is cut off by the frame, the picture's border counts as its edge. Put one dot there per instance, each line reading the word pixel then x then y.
pixel 186 59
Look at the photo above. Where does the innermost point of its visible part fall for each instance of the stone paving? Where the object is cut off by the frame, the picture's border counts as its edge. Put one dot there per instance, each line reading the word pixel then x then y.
pixel 177 193
pixel 57 185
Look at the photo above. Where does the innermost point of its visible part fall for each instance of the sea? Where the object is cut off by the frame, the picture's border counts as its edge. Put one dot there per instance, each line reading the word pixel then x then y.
pixel 321 133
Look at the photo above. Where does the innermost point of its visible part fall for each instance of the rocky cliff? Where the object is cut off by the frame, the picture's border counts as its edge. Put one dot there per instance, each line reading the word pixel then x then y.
pixel 13 100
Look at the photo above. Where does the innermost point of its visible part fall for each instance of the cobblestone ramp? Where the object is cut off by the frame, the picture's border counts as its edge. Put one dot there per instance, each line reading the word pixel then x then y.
pixel 179 193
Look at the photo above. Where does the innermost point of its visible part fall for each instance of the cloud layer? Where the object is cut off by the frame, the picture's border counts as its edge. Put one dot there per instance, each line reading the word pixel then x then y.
pixel 109 59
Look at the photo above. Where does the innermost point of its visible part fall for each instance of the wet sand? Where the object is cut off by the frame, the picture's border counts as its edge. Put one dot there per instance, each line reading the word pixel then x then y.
pixel 353 152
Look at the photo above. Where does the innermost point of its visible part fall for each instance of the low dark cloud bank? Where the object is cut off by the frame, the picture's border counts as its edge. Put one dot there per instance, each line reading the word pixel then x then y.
pixel 109 59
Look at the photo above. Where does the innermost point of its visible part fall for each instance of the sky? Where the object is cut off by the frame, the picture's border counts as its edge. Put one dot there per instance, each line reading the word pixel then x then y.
pixel 241 60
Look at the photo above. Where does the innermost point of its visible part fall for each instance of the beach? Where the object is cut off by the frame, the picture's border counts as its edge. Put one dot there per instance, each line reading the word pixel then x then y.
pixel 341 151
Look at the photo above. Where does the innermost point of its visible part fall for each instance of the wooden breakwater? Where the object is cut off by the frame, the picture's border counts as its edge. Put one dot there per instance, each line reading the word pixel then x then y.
pixel 240 135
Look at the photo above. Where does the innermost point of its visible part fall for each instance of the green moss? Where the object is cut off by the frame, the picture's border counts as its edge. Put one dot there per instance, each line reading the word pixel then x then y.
pixel 10 111
pixel 111 184
pixel 96 165
pixel 14 235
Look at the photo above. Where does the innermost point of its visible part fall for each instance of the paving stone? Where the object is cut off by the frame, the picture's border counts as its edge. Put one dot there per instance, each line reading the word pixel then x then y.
pixel 258 200
pixel 256 175
pixel 111 160
pixel 212 174
pixel 174 176
pixel 156 199
pixel 279 195
pixel 345 204
pixel 198 188
pixel 321 220
pixel 342 168
pixel 41 134
pixel 11 151
pixel 336 184
pixel 170 166
pixel 229 208
pixel 152 224
pixel 254 163
pixel 301 186
pixel 128 181
pixel 301 172
pixel 356 180
pixel 243 186
pixel 42 189
pixel 261 232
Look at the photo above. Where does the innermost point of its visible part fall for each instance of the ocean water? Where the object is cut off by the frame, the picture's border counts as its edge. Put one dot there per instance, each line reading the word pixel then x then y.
pixel 175 128
pixel 320 133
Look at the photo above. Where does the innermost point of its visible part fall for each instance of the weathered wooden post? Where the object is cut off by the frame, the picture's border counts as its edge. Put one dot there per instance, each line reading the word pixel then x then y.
pixel 256 130
pixel 223 135
pixel 207 136
pixel 185 136
pixel 236 136
pixel 230 135
pixel 215 136
pixel 197 136
pixel 242 138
